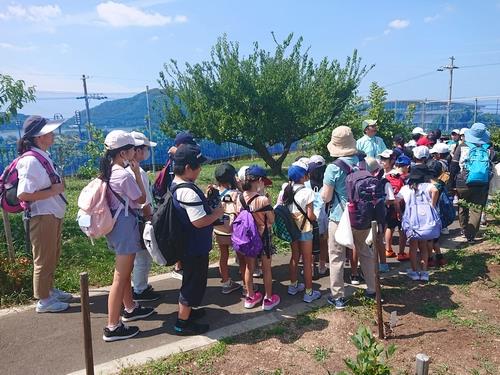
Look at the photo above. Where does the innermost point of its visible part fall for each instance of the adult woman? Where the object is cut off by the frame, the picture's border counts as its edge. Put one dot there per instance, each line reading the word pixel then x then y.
pixel 126 194
pixel 45 212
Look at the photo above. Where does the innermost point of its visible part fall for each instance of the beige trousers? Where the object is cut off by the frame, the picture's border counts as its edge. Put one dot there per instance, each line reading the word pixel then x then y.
pixel 45 237
pixel 337 254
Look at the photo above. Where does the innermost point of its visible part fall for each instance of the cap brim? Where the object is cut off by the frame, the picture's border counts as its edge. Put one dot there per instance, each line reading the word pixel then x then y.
pixel 49 127
pixel 151 144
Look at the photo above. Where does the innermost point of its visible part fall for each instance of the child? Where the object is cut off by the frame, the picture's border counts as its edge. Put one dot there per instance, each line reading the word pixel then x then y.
pixel 441 153
pixel 317 167
pixel 260 207
pixel 418 188
pixel 127 194
pixel 400 172
pixel 435 171
pixel 225 175
pixel 299 200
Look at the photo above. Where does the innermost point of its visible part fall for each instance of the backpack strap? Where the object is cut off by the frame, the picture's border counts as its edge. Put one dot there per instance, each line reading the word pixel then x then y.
pixel 246 205
pixel 191 186
pixel 122 201
pixel 344 167
pixel 300 209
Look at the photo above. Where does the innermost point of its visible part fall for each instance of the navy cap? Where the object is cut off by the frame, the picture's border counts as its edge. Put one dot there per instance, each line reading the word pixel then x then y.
pixel 35 126
pixel 403 160
pixel 258 171
pixel 184 138
pixel 188 154
pixel 225 172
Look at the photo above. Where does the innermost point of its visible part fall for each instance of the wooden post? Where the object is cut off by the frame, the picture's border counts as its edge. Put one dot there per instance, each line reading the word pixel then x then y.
pixel 8 235
pixel 87 332
pixel 422 364
pixel 380 319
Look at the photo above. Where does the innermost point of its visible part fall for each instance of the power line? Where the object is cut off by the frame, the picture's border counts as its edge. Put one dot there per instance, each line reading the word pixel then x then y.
pixel 409 79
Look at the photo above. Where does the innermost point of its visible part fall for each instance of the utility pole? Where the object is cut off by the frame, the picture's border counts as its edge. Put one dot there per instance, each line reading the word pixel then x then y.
pixel 423 113
pixel 475 110
pixel 450 68
pixel 78 122
pixel 149 129
pixel 86 97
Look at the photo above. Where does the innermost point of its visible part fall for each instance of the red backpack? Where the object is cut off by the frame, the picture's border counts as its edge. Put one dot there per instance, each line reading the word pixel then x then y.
pixel 10 179
pixel 396 181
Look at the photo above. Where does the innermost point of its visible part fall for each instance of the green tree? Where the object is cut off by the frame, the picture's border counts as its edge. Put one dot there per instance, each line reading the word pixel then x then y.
pixel 95 150
pixel 260 100
pixel 13 95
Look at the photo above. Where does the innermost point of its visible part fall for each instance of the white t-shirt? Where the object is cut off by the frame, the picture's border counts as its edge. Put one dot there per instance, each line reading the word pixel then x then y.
pixel 406 191
pixel 303 197
pixel 189 196
pixel 32 178
pixel 145 182
pixel 389 192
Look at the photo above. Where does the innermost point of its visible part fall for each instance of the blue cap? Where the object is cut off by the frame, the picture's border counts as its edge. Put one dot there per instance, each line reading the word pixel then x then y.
pixel 403 160
pixel 184 138
pixel 296 173
pixel 258 171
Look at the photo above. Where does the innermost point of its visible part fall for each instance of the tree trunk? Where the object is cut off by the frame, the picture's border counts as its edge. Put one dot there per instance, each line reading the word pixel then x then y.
pixel 274 164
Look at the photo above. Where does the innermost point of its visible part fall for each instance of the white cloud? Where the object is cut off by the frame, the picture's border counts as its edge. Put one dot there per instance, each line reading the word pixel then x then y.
pixel 154 38
pixel 399 24
pixel 121 15
pixel 433 18
pixel 17 48
pixel 33 13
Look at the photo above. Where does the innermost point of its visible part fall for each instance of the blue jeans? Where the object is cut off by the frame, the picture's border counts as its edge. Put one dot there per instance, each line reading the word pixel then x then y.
pixel 142 266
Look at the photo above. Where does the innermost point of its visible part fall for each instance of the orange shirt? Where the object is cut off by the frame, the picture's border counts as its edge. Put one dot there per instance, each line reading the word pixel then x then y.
pixel 257 203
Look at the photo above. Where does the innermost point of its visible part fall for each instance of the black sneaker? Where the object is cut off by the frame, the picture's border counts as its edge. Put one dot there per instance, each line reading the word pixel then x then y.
pixel 190 328
pixel 138 313
pixel 149 295
pixel 197 314
pixel 123 332
pixel 355 280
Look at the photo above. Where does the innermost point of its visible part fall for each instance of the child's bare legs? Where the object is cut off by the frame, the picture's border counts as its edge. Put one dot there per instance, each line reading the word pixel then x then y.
pixel 424 253
pixel 121 291
pixel 306 251
pixel 223 260
pixel 413 254
pixel 293 266
pixel 242 265
pixel 267 275
pixel 323 253
pixel 250 266
pixel 388 239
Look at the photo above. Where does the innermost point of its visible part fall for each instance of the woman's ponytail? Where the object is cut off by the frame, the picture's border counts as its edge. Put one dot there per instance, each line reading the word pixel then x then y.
pixel 288 193
pixel 105 165
pixel 25 144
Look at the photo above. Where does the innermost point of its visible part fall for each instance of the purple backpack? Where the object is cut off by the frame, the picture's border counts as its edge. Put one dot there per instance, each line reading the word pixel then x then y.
pixel 245 237
pixel 421 220
pixel 10 179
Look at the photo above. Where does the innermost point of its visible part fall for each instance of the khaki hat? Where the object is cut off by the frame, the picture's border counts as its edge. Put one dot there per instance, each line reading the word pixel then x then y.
pixel 342 142
pixel 367 123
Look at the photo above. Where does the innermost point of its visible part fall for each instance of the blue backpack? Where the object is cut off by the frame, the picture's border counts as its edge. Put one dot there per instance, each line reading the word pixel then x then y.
pixel 420 220
pixel 446 210
pixel 478 165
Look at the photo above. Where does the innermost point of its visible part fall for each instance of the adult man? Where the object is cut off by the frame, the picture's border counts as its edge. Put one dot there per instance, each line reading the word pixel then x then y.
pixel 477 140
pixel 197 222
pixel 343 147
pixel 370 144
pixel 143 292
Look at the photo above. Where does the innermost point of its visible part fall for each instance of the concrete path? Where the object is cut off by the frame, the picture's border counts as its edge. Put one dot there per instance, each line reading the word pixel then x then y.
pixel 33 343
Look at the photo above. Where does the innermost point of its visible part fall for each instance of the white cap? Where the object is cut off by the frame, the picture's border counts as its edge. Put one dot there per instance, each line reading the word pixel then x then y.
pixel 302 163
pixel 463 130
pixel 318 160
pixel 372 164
pixel 418 130
pixel 386 154
pixel 440 148
pixel 242 172
pixel 141 140
pixel 421 152
pixel 117 139
pixel 456 131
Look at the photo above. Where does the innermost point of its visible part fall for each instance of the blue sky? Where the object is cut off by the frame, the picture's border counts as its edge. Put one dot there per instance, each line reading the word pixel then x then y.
pixel 122 44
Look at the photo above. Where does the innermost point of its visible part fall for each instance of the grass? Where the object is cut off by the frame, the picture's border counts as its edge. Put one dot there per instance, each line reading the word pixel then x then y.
pixel 79 255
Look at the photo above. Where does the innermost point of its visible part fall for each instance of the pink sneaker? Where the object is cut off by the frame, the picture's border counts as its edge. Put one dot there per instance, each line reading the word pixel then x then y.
pixel 251 302
pixel 271 303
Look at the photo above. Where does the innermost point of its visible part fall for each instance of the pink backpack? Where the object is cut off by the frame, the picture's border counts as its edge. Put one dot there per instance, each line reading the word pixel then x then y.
pixel 10 179
pixel 94 217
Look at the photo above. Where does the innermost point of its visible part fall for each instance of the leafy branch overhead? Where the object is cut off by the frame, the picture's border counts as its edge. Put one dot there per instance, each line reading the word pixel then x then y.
pixel 13 95
pixel 259 100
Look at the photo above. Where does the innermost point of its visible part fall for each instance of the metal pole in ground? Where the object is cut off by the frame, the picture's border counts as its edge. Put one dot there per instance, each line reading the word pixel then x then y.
pixel 149 129
pixel 380 319
pixel 87 332
pixel 422 364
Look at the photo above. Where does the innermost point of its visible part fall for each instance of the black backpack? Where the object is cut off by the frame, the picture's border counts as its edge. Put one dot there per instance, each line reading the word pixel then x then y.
pixel 168 230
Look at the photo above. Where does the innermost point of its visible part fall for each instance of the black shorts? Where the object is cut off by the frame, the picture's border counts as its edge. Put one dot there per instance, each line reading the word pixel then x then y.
pixel 194 280
pixel 391 219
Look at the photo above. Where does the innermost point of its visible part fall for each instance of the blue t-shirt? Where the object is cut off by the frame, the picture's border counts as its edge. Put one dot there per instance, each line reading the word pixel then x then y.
pixel 371 146
pixel 336 178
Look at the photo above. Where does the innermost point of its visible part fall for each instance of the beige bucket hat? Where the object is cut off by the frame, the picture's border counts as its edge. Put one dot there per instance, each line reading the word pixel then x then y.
pixel 342 142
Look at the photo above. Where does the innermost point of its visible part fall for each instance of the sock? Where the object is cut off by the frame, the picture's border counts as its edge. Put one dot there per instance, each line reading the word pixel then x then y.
pixel 45 301
pixel 132 309
pixel 309 291
pixel 294 284
pixel 227 283
pixel 113 327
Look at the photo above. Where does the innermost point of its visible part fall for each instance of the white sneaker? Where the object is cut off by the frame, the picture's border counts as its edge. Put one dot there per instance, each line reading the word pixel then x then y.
pixel 293 290
pixel 53 305
pixel 60 295
pixel 257 272
pixel 315 294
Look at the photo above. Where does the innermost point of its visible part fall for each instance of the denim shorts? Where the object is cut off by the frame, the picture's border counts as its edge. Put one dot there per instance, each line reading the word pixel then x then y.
pixel 124 239
pixel 306 236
